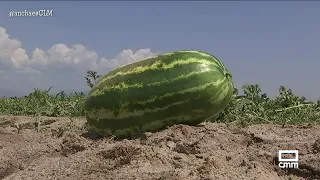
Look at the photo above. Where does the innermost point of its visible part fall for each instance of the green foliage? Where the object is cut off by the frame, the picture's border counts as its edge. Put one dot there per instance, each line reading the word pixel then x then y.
pixel 252 107
pixel 40 102
pixel 92 78
pixel 257 107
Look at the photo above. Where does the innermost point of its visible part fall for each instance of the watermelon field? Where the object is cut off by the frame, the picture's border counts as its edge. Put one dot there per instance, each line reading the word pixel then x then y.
pixel 45 136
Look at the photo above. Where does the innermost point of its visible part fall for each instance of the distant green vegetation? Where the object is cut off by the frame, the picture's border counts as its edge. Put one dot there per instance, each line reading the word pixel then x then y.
pixel 252 107
pixel 257 107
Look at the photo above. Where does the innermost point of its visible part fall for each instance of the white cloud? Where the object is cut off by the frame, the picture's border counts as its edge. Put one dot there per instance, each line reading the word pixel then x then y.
pixel 11 53
pixel 60 55
pixel 39 58
pixel 44 68
pixel 77 56
pixel 19 58
pixel 125 57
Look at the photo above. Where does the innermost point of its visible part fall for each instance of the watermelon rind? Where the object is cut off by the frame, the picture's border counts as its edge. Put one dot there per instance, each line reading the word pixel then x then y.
pixel 181 87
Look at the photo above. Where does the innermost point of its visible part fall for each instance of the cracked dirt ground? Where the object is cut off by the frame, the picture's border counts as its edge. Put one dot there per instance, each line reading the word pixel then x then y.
pixel 57 148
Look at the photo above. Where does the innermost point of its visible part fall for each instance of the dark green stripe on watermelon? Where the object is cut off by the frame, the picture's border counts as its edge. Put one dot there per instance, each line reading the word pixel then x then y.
pixel 181 87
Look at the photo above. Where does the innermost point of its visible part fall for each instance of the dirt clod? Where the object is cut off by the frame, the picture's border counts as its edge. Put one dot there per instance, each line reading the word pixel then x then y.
pixel 316 146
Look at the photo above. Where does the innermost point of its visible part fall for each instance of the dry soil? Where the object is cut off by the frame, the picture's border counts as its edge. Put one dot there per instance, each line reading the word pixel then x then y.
pixel 59 148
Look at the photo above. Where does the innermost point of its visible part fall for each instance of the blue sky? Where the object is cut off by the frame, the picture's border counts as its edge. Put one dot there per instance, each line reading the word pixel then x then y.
pixel 268 43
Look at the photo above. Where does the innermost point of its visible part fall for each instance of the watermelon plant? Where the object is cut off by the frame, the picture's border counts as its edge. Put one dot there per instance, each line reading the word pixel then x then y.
pixel 42 103
pixel 182 87
pixel 92 78
pixel 256 107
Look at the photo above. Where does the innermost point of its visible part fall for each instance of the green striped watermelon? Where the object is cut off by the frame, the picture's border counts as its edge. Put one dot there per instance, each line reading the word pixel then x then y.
pixel 182 87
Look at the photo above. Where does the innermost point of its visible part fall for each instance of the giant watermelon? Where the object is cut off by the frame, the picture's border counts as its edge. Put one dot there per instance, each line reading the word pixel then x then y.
pixel 182 87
